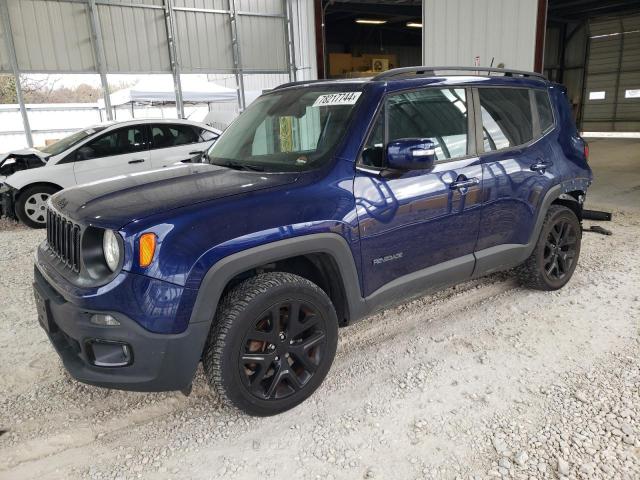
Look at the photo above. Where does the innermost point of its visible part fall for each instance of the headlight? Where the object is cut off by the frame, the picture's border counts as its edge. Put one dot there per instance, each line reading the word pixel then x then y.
pixel 111 249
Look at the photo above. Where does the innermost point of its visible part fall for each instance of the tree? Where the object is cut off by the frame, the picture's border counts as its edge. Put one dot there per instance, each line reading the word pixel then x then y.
pixel 8 89
pixel 43 89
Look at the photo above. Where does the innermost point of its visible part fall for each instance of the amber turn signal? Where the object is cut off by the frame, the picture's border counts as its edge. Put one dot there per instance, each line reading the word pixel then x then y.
pixel 147 244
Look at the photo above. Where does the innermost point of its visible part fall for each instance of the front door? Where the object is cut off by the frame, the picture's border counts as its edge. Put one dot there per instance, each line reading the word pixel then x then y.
pixel 115 153
pixel 420 222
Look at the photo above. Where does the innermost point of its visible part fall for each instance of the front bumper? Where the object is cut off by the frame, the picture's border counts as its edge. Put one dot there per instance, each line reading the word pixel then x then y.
pixel 157 362
pixel 7 201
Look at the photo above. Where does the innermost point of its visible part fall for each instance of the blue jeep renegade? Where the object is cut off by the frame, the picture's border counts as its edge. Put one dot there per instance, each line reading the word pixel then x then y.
pixel 322 203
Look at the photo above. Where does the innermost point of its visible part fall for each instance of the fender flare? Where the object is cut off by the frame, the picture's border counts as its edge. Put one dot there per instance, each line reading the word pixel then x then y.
pixel 223 271
pixel 559 191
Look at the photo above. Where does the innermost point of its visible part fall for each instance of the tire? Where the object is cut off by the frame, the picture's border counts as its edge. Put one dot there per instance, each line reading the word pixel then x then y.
pixel 555 256
pixel 255 358
pixel 31 205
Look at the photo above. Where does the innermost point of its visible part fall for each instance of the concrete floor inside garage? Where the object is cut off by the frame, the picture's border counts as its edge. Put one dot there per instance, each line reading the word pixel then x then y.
pixel 483 380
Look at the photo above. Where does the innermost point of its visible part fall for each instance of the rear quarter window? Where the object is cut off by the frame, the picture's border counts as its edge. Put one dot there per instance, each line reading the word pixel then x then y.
pixel 544 110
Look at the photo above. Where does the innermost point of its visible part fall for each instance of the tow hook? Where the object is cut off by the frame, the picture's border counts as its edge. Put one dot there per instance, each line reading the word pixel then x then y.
pixel 186 391
pixel 596 215
pixel 599 216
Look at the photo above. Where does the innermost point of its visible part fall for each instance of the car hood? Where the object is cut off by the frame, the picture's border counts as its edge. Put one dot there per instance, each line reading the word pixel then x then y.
pixel 23 152
pixel 17 160
pixel 114 202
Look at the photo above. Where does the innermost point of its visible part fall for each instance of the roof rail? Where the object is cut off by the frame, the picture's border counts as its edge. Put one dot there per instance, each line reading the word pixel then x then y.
pixel 431 71
pixel 299 82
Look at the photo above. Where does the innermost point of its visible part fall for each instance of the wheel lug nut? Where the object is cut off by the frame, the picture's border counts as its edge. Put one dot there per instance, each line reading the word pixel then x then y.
pixel 290 342
pixel 277 358
pixel 282 336
pixel 286 355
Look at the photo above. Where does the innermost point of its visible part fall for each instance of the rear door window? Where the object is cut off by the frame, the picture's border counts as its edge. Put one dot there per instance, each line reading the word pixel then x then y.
pixel 165 136
pixel 507 120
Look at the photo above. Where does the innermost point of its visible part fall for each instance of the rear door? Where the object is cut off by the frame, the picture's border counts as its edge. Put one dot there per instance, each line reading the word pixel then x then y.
pixel 172 143
pixel 118 152
pixel 518 161
pixel 410 221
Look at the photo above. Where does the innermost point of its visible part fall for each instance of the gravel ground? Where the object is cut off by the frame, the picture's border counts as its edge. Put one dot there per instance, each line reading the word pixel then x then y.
pixel 479 381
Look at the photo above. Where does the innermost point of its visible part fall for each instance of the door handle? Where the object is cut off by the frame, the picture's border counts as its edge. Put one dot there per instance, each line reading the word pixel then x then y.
pixel 464 183
pixel 139 160
pixel 196 152
pixel 540 166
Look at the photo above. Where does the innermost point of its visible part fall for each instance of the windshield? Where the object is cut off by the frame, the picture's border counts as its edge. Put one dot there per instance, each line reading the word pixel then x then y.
pixel 286 131
pixel 68 142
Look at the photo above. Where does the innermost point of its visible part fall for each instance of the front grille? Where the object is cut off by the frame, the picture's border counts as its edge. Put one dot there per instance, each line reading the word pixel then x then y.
pixel 63 237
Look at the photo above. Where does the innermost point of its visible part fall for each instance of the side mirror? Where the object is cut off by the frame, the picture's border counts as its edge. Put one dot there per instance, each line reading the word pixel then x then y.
pixel 411 154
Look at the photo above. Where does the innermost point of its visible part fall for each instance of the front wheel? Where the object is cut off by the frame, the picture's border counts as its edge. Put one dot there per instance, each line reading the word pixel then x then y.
pixel 31 206
pixel 272 343
pixel 555 256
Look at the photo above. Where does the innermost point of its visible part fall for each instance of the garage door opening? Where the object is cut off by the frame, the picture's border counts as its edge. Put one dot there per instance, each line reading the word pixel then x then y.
pixel 360 38
pixel 593 48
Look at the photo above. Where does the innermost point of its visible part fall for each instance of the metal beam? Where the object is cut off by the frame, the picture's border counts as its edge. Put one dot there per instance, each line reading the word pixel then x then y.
pixel 289 40
pixel 101 61
pixel 617 88
pixel 237 59
pixel 173 55
pixel 13 60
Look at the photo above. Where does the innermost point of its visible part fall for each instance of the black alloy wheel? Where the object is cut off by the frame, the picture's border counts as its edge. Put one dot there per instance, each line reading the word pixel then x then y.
pixel 560 249
pixel 272 343
pixel 555 255
pixel 283 350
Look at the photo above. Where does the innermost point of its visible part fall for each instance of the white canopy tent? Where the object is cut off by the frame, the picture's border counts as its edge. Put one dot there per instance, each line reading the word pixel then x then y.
pixel 151 96
pixel 160 89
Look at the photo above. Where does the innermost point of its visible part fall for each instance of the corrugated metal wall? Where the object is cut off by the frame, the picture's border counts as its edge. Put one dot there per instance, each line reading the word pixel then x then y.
pixel 51 35
pixel 55 36
pixel 135 39
pixel 613 68
pixel 456 31
pixel 5 66
pixel 204 37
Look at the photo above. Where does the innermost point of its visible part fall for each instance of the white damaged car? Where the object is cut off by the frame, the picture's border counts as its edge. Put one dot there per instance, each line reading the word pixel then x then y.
pixel 29 177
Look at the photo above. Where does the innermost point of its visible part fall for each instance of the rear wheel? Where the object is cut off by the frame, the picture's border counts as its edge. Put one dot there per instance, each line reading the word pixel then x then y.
pixel 31 206
pixel 272 343
pixel 555 256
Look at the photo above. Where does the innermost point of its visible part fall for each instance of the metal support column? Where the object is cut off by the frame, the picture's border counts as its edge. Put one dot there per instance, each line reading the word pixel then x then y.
pixel 173 55
pixel 13 59
pixel 101 61
pixel 237 59
pixel 616 99
pixel 289 39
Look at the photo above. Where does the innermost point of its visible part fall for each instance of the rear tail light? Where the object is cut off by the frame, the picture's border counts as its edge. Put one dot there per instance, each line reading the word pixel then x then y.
pixel 586 151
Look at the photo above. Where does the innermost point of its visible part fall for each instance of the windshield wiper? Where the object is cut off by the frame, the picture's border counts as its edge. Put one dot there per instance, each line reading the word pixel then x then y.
pixel 241 166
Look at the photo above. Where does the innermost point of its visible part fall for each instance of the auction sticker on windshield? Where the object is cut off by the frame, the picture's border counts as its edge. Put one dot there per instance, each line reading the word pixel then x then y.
pixel 333 99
